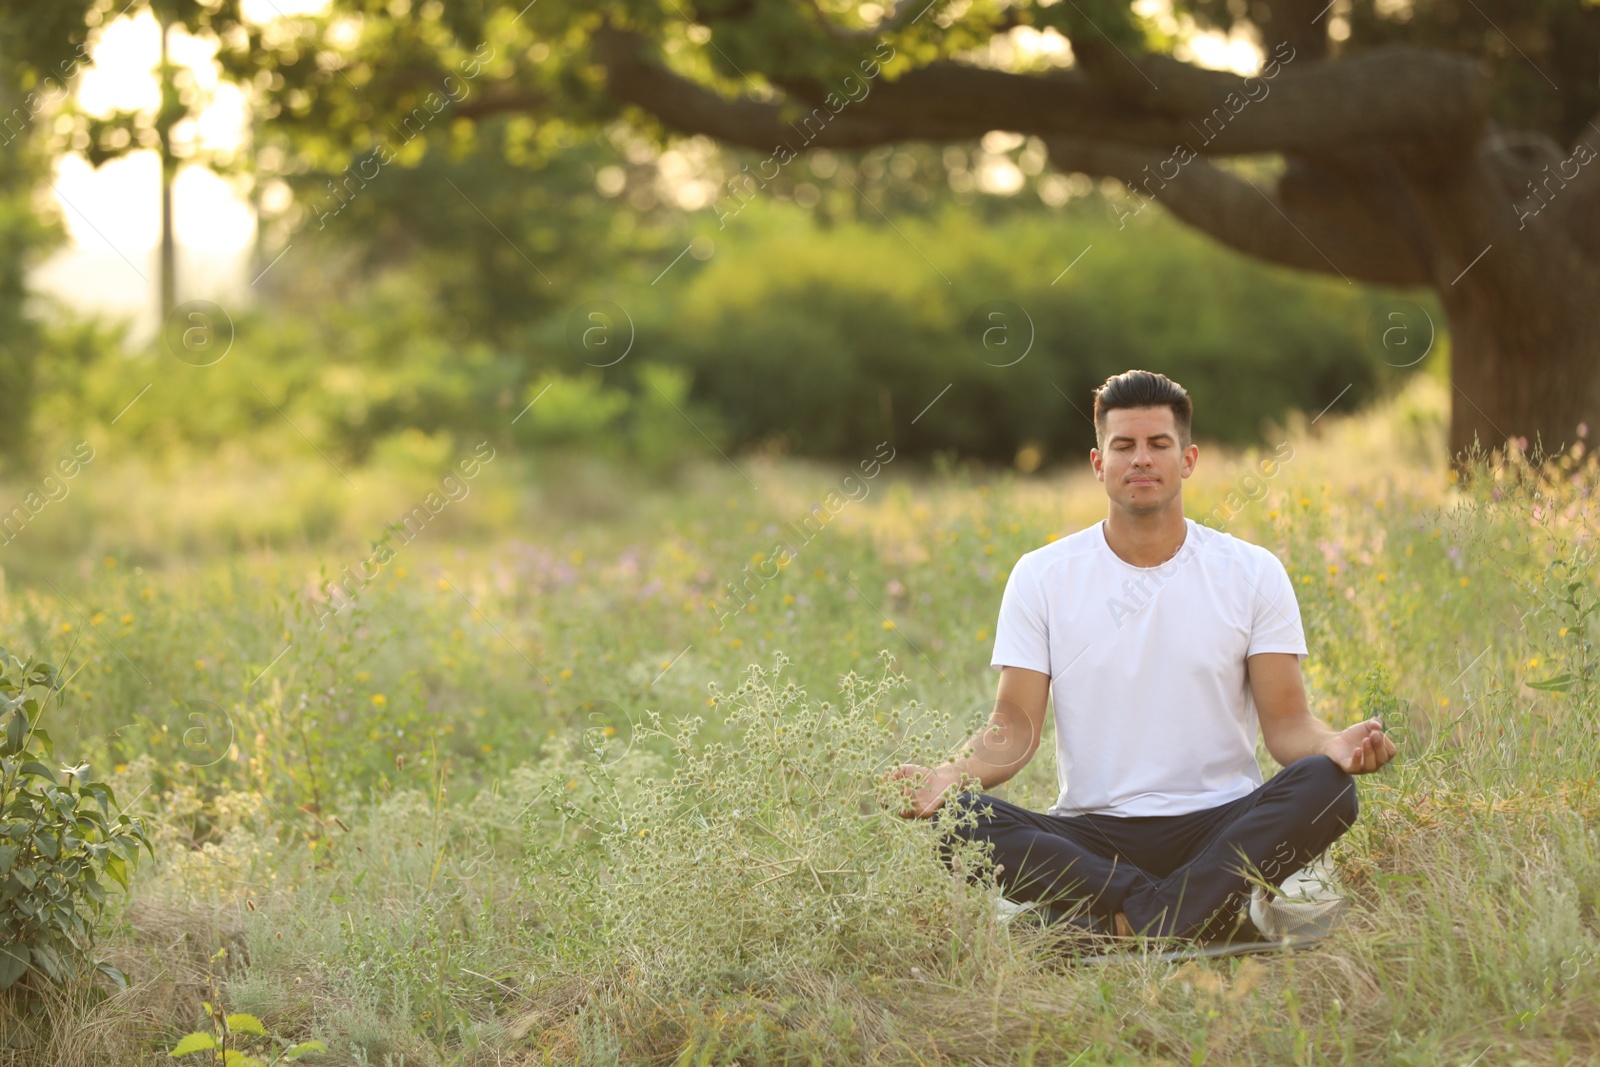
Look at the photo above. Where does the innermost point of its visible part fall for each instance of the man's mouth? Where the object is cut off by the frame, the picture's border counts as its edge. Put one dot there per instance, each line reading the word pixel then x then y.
pixel 1142 481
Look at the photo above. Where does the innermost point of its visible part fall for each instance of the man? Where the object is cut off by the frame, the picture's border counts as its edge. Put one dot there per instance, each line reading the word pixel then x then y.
pixel 1163 643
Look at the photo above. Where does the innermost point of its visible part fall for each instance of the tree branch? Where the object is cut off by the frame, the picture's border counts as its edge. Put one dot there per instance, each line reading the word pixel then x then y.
pixel 1415 95
pixel 1310 219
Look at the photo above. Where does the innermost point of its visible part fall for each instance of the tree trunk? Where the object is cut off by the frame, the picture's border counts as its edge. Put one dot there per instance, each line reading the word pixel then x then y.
pixel 1519 281
pixel 1524 344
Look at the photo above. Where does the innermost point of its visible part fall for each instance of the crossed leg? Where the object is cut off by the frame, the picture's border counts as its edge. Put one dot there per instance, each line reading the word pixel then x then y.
pixel 1172 876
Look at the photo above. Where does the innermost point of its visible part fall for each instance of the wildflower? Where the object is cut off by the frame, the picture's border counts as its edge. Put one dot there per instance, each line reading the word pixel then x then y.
pixel 399 572
pixel 888 624
pixel 576 555
pixel 1333 568
pixel 199 664
pixel 988 550
pixel 566 672
pixel 1305 579
pixel 788 598
pixel 111 561
pixel 66 627
pixel 1465 580
pixel 97 618
pixel 443 584
pixel 610 731
pixel 1444 702
pixel 1382 577
pixel 379 700
pixel 126 620
pixel 488 748
pixel 751 608
pixel 737 642
pixel 362 676
pixel 981 635
pixel 1563 632
pixel 1534 662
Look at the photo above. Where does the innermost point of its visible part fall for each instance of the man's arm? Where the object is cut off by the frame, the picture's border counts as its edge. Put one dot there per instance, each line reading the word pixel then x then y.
pixel 1291 732
pixel 1001 748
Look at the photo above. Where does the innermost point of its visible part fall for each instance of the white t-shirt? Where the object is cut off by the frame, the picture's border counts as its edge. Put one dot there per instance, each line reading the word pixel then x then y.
pixel 1147 665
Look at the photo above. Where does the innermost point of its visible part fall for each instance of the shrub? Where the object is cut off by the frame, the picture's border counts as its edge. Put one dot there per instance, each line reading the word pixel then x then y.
pixel 772 851
pixel 57 837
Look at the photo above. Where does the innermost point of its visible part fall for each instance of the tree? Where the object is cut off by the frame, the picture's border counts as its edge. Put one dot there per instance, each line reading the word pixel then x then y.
pixel 38 54
pixel 1412 143
pixel 1444 144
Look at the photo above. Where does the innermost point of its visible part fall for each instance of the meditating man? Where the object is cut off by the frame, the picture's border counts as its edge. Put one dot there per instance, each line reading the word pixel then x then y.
pixel 1163 643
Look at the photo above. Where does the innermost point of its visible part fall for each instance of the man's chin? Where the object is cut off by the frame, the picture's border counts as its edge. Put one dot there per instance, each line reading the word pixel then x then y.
pixel 1144 504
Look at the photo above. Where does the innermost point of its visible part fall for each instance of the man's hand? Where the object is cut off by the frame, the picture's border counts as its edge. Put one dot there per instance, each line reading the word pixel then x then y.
pixel 926 800
pixel 1361 749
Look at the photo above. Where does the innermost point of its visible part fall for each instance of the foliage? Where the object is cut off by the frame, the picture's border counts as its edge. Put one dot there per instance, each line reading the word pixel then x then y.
pixel 775 846
pixel 230 1032
pixel 59 837
pixel 833 341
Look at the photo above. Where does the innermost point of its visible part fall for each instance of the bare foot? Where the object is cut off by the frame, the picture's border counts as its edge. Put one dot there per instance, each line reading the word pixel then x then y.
pixel 1124 927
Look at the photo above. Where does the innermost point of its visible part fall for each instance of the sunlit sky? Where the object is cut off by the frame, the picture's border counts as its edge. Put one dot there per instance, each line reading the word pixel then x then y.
pixel 113 214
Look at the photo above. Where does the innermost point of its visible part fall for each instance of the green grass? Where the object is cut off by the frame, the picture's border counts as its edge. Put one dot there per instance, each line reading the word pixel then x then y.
pixel 524 801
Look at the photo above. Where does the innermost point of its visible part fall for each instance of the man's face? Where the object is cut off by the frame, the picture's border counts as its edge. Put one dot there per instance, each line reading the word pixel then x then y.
pixel 1143 466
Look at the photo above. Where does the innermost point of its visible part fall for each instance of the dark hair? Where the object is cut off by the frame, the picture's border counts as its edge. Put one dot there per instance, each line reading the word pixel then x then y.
pixel 1143 389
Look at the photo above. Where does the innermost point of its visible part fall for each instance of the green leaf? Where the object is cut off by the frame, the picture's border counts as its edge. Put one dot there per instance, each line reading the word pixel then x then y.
pixel 13 963
pixel 34 767
pixel 114 973
pixel 16 732
pixel 192 1043
pixel 95 890
pixel 101 794
pixel 235 1058
pixel 117 870
pixel 246 1024
pixel 305 1048
pixel 8 856
pixel 49 961
pixel 1559 684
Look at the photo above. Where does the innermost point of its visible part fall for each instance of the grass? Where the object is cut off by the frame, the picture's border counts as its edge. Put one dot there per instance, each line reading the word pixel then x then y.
pixel 524 801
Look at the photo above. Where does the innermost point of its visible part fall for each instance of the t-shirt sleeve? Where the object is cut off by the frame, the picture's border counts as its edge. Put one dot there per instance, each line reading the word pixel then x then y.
pixel 1275 623
pixel 1021 638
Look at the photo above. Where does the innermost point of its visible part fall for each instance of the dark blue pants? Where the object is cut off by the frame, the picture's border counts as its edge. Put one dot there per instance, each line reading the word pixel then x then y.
pixel 1172 875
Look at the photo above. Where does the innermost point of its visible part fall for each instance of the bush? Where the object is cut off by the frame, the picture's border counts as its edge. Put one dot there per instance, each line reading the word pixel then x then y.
pixel 834 341
pixel 774 850
pixel 58 837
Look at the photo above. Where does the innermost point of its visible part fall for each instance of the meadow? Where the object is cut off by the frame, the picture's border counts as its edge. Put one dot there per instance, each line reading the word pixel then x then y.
pixel 531 794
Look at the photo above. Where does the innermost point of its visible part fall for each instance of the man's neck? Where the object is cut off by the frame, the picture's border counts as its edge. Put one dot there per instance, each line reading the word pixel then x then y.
pixel 1149 539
